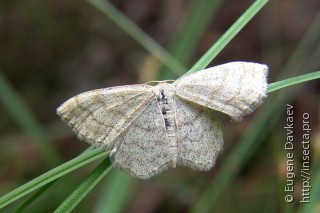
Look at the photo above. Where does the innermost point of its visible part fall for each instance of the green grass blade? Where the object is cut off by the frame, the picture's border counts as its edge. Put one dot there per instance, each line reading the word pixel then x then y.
pixel 115 193
pixel 24 118
pixel 227 36
pixel 44 188
pixel 199 16
pixel 231 166
pixel 137 34
pixel 257 131
pixel 243 150
pixel 86 186
pixel 51 175
pixel 198 12
pixel 292 81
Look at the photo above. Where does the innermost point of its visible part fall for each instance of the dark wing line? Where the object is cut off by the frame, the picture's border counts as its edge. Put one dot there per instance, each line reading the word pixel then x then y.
pixel 143 106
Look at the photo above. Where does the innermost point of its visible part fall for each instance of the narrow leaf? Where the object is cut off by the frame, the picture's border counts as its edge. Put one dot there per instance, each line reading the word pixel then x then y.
pixel 86 186
pixel 138 35
pixel 51 175
pixel 228 36
pixel 292 81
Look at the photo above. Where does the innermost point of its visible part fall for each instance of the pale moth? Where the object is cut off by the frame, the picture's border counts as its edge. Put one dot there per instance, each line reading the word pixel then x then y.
pixel 149 129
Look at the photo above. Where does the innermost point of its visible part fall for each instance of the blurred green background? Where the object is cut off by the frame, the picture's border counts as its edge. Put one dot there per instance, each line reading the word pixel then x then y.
pixel 53 50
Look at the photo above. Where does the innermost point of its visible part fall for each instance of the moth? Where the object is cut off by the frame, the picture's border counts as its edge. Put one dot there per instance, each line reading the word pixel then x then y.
pixel 148 129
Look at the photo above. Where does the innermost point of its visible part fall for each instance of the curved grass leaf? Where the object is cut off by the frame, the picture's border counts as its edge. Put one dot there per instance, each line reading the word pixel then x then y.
pixel 274 87
pixel 86 186
pixel 138 35
pixel 198 18
pixel 239 24
pixel 227 36
pixel 51 175
pixel 115 193
pixel 92 155
pixel 182 48
pixel 292 81
pixel 258 130
pixel 247 145
pixel 199 15
pixel 44 188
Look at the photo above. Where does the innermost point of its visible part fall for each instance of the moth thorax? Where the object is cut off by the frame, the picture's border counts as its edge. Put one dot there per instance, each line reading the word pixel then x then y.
pixel 166 103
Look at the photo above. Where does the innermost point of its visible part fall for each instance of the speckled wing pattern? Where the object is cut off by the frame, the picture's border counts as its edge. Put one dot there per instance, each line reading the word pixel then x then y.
pixel 143 150
pixel 100 116
pixel 151 128
pixel 199 136
pixel 126 120
pixel 235 88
